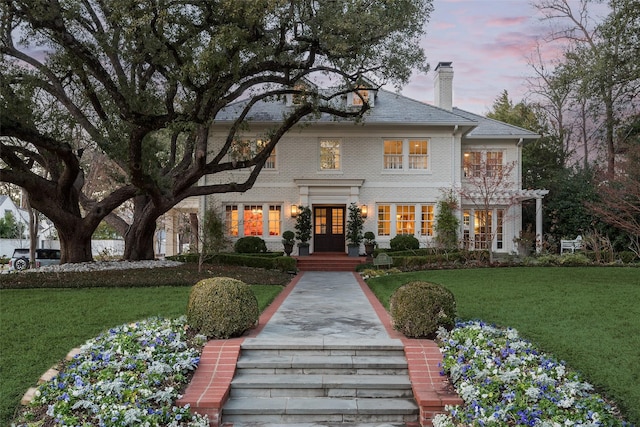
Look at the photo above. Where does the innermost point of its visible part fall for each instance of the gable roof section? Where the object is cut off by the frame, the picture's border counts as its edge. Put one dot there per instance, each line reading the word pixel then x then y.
pixel 390 109
pixel 494 129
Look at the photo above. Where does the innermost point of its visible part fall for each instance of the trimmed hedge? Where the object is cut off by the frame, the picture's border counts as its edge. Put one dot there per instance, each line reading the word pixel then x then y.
pixel 418 309
pixel 269 260
pixel 222 307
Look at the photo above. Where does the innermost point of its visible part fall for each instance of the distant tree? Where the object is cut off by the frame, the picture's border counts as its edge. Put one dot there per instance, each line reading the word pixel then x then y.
pixel 9 228
pixel 619 198
pixel 141 82
pixel 603 63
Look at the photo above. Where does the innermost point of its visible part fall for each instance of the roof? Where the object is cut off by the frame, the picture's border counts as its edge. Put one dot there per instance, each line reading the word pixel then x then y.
pixel 490 128
pixel 391 109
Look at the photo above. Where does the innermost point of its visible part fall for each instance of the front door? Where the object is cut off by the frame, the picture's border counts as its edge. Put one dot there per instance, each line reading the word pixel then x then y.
pixel 328 226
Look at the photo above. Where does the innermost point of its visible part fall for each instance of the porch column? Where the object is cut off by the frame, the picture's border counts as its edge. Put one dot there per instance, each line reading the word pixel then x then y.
pixel 170 233
pixel 539 223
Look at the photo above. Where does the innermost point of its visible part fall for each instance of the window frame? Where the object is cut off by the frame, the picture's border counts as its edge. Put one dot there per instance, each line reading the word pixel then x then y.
pixel 406 159
pixel 271 219
pixel 482 162
pixel 339 157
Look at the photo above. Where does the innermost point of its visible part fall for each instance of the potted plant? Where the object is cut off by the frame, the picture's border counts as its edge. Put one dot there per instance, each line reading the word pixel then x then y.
pixel 369 242
pixel 354 230
pixel 288 240
pixel 303 229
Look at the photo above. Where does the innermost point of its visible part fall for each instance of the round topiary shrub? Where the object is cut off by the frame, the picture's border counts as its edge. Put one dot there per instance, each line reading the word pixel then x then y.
pixel 403 242
pixel 250 245
pixel 418 309
pixel 222 307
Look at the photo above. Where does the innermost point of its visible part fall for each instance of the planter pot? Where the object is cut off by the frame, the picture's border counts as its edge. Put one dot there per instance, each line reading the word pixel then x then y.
pixel 303 250
pixel 354 250
pixel 288 248
pixel 369 248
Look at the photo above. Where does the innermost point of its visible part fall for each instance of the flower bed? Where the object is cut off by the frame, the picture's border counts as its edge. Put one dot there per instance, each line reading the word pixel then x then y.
pixel 505 380
pixel 127 376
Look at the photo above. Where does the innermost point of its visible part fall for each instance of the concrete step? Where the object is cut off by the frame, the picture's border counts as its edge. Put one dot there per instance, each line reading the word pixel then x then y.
pixel 264 364
pixel 321 383
pixel 287 410
pixel 292 385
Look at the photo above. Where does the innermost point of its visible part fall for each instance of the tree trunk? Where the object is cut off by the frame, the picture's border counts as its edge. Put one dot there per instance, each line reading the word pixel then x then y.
pixel 194 235
pixel 139 240
pixel 75 243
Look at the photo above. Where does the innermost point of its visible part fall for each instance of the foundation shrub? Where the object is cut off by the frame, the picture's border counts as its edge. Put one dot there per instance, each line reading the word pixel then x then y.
pixel 418 309
pixel 222 307
pixel 574 260
pixel 250 245
pixel 403 242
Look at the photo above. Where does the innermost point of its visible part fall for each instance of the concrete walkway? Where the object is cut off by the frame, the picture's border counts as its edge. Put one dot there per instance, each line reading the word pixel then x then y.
pixel 321 308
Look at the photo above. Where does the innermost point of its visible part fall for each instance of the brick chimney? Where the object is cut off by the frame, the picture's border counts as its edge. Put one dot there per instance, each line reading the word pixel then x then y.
pixel 443 86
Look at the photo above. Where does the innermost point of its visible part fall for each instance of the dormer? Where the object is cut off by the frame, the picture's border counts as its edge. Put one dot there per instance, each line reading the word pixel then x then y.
pixel 302 88
pixel 365 91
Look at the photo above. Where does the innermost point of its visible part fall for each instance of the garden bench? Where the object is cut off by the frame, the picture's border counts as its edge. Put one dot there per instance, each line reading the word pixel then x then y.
pixel 382 259
pixel 571 245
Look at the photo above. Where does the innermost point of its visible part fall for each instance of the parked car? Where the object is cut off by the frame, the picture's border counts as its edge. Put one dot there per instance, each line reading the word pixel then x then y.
pixel 20 259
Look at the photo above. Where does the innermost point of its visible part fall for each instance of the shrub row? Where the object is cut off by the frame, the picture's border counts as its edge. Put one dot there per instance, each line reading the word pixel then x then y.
pixel 268 260
pixel 184 275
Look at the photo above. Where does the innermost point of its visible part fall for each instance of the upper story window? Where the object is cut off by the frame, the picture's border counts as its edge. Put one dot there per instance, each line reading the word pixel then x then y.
pixel 360 97
pixel 407 154
pixel 246 149
pixel 477 163
pixel 330 154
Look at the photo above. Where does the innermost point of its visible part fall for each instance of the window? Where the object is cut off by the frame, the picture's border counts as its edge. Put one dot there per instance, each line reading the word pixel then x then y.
pixel 271 161
pixel 406 154
pixel 418 154
pixel 275 220
pixel 246 149
pixel 487 226
pixel 482 229
pixel 393 154
pixel 427 220
pixel 494 163
pixel 384 220
pixel 475 163
pixel 405 219
pixel 360 96
pixel 231 219
pixel 253 220
pixel 330 154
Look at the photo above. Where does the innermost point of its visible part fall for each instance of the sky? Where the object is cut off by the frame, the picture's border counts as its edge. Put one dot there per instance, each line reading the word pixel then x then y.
pixel 489 43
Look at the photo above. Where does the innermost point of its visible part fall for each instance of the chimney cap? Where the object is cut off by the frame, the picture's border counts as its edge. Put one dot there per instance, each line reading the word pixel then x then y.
pixel 443 65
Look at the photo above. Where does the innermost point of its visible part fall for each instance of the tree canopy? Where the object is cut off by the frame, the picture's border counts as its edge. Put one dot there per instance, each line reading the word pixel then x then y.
pixel 141 82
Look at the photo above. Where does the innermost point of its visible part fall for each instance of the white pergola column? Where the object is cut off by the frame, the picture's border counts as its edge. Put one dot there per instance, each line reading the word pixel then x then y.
pixel 539 231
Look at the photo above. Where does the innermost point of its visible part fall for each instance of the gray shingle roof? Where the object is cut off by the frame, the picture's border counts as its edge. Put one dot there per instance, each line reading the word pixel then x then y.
pixel 390 108
pixel 490 128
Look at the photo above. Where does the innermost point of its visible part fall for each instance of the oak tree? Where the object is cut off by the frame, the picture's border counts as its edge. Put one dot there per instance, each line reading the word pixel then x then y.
pixel 141 82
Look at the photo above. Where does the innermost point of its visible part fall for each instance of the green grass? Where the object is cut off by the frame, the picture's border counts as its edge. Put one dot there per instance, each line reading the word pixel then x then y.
pixel 589 317
pixel 38 327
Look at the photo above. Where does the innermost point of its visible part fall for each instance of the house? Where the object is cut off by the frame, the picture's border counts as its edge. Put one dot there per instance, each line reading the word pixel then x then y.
pixel 20 216
pixel 395 165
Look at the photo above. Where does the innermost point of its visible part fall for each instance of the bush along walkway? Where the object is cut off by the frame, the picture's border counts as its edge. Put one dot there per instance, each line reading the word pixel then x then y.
pixel 324 352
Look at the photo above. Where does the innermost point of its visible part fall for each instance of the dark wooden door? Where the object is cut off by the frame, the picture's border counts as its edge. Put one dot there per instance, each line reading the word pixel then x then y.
pixel 328 227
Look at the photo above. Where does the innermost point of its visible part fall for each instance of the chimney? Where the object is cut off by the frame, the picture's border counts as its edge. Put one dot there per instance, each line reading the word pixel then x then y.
pixel 443 86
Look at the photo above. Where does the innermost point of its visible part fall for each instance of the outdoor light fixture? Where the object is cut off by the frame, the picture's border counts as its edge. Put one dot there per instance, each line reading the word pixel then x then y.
pixel 364 211
pixel 294 211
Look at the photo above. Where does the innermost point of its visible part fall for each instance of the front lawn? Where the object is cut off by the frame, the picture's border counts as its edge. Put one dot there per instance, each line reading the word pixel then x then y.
pixel 589 317
pixel 38 327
